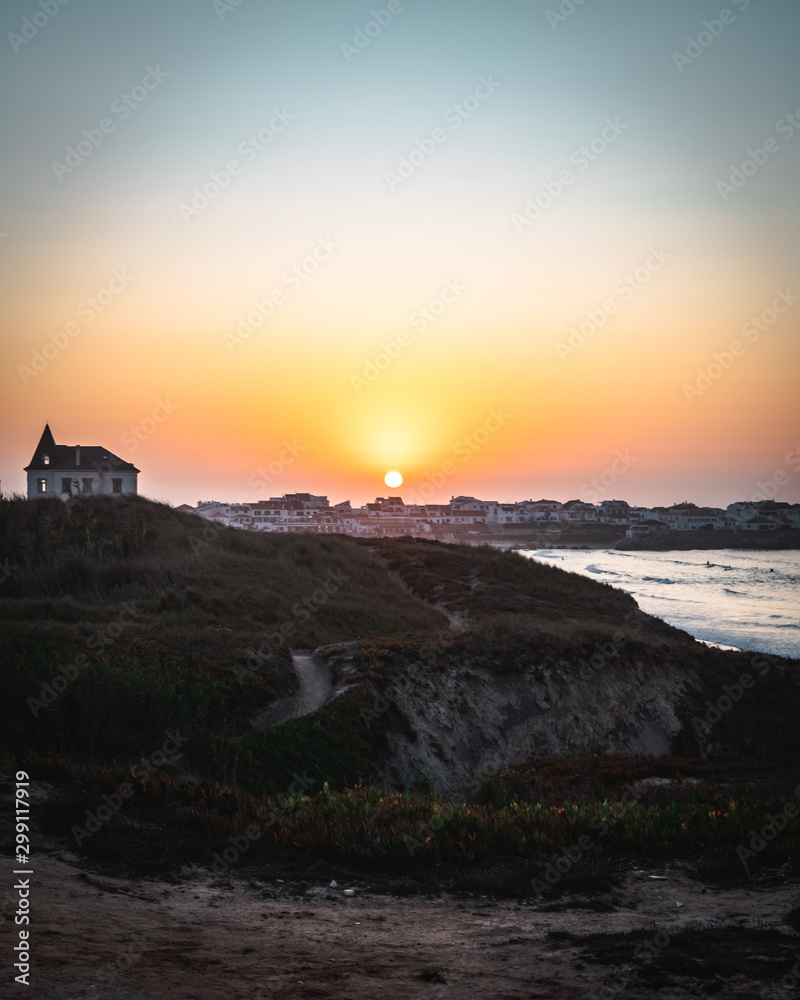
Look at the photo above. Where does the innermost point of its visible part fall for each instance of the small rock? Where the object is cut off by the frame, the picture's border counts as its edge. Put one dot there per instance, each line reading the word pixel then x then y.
pixel 334 885
pixel 349 892
pixel 279 880
pixel 679 904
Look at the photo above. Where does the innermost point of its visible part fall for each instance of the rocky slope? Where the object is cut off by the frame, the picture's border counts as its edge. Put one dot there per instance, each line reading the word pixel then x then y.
pixel 557 675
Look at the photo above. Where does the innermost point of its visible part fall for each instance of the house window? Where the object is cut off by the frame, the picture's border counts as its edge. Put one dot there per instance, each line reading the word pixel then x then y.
pixel 45 459
pixel 86 485
pixel 116 486
pixel 41 486
pixel 66 486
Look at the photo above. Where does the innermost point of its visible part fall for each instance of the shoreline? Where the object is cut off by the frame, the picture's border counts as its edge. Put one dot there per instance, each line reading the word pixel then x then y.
pixel 673 541
pixel 645 586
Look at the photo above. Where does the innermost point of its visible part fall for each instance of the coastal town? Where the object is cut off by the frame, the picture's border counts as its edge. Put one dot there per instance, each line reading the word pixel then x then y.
pixel 57 470
pixel 466 518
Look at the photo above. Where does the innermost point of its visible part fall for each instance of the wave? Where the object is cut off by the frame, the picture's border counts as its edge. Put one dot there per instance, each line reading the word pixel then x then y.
pixel 598 569
pixel 719 645
pixel 657 579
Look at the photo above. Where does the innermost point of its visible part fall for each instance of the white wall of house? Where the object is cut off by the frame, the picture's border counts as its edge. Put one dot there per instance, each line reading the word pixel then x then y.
pixel 51 483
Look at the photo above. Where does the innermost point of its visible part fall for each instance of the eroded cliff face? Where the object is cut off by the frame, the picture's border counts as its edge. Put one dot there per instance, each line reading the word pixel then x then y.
pixel 458 722
pixel 467 724
pixel 455 715
pixel 537 662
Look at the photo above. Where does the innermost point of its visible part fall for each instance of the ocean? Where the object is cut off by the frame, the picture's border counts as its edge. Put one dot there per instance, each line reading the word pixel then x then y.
pixel 730 597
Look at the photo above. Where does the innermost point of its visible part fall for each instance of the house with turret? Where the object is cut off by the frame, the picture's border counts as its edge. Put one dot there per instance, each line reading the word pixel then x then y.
pixel 64 470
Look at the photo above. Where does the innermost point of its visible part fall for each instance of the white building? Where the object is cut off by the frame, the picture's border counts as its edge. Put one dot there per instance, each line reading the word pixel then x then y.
pixel 61 470
pixel 506 513
pixel 688 517
pixel 614 512
pixel 577 511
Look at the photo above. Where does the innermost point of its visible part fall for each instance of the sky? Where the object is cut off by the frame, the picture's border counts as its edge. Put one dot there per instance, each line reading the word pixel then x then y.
pixel 512 250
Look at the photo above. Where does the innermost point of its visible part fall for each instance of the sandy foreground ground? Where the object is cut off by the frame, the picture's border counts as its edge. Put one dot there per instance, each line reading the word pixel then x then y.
pixel 201 936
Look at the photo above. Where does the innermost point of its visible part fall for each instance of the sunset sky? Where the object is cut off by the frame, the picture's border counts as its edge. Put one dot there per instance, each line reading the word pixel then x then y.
pixel 428 198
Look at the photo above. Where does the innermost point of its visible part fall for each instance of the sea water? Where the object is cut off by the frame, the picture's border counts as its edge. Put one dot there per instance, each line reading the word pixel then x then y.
pixel 731 597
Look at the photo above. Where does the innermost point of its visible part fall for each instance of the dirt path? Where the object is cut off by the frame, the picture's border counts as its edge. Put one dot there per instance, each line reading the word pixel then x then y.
pixel 315 688
pixel 315 684
pixel 253 938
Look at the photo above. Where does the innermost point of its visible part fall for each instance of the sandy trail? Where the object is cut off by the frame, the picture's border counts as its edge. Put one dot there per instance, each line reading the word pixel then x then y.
pixel 315 688
pixel 253 938
pixel 315 684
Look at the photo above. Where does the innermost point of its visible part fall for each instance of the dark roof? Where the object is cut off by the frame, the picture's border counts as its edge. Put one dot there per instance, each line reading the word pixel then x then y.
pixel 91 458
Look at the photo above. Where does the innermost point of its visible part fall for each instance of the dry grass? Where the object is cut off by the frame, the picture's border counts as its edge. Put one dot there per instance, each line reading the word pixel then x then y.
pixel 77 562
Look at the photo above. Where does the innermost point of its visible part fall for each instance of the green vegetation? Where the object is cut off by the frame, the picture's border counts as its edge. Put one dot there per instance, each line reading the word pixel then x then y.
pixel 373 826
pixel 120 706
pixel 77 562
pixel 126 624
pixel 484 582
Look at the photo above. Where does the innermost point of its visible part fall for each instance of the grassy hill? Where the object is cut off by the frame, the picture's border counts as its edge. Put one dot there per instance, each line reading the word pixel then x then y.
pixel 126 623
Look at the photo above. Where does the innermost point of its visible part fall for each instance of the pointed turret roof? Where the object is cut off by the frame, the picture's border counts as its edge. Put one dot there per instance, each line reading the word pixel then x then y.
pixel 46 446
pixel 49 455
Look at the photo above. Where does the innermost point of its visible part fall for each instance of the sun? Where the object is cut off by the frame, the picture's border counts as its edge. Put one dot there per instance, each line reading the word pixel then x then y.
pixel 393 480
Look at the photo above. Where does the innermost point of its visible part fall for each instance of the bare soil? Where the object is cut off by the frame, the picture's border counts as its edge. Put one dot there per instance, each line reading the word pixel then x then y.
pixel 248 935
